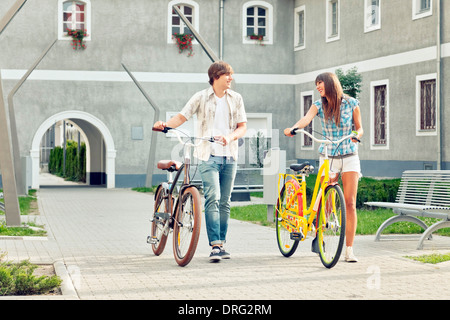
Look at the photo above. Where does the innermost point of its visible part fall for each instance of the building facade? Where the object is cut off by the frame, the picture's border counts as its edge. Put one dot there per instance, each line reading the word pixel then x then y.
pixel 393 45
pixel 276 48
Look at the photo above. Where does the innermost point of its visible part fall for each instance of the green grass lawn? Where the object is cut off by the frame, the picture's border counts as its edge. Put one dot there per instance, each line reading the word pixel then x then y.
pixel 28 206
pixel 368 220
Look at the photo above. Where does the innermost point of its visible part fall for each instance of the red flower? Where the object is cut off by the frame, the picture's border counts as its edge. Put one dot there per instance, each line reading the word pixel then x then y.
pixel 184 42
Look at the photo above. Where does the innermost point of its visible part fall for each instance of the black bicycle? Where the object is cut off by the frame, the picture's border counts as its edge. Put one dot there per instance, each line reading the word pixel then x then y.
pixel 178 211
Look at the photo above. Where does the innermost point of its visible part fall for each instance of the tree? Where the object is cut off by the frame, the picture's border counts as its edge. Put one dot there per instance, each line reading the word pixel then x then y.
pixel 350 81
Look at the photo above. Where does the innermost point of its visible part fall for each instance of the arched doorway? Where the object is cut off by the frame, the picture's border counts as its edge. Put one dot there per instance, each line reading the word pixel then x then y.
pixel 96 133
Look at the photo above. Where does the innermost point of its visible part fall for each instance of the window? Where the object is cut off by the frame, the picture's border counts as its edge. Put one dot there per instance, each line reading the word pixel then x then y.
pixel 257 21
pixel 426 104
pixel 259 126
pixel 305 103
pixel 372 14
pixel 379 109
pixel 299 28
pixel 332 20
pixel 190 10
pixel 421 8
pixel 73 15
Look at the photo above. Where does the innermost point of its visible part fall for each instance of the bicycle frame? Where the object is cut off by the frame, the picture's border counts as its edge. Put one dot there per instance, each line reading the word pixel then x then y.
pixel 322 182
pixel 169 186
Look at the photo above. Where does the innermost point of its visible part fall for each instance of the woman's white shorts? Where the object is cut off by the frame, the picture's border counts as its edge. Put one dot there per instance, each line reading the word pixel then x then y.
pixel 344 164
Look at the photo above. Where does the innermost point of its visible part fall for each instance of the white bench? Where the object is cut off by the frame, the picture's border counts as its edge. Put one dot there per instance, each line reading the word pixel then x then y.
pixel 423 193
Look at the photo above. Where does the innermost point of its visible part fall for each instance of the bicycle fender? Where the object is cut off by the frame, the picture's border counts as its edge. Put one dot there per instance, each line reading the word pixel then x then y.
pixel 182 188
pixel 164 185
pixel 187 186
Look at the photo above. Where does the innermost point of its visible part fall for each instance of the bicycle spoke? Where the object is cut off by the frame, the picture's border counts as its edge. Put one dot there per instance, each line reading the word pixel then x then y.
pixel 158 237
pixel 331 231
pixel 285 224
pixel 187 226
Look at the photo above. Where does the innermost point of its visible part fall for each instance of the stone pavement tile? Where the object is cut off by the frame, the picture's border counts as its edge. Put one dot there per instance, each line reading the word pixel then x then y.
pixel 101 236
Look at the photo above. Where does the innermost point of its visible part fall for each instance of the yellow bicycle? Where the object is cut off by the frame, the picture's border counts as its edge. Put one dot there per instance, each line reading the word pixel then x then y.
pixel 325 216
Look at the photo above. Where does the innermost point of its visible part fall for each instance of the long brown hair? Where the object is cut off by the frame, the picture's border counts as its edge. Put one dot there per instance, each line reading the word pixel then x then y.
pixel 331 102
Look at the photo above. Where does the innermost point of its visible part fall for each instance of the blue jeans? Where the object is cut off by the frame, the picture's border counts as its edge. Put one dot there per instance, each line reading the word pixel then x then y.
pixel 218 175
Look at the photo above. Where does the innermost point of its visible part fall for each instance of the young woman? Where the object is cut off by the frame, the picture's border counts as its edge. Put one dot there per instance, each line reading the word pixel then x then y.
pixel 337 113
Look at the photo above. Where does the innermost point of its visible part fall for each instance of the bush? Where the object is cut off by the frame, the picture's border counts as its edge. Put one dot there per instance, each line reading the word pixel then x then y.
pixel 18 279
pixel 75 169
pixel 376 190
pixel 369 189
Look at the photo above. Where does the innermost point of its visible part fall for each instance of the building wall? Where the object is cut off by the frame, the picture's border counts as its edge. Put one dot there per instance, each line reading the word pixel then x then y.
pixel 135 33
pixel 398 52
pixel 270 78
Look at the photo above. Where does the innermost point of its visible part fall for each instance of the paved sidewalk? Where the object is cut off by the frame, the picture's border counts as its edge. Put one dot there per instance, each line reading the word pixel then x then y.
pixel 100 236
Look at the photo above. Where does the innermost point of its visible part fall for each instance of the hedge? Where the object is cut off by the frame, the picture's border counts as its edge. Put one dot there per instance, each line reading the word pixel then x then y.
pixel 75 169
pixel 384 190
pixel 369 189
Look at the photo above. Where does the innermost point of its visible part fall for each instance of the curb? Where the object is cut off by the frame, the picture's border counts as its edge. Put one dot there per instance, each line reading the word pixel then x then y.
pixel 67 287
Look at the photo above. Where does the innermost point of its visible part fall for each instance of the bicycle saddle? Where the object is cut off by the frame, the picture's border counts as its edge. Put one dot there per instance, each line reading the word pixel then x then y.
pixel 169 165
pixel 300 166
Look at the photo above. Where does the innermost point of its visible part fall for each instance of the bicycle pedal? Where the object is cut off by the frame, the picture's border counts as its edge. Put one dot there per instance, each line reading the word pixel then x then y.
pixel 152 240
pixel 297 236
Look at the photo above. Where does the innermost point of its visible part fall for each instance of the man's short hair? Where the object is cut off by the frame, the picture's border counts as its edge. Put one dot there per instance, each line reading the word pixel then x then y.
pixel 217 69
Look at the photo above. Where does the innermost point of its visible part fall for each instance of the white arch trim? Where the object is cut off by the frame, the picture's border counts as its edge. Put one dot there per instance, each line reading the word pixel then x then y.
pixel 74 114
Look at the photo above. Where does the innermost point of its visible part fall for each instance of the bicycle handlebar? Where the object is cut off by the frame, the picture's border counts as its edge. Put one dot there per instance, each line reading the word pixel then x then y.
pixel 350 136
pixel 163 130
pixel 166 129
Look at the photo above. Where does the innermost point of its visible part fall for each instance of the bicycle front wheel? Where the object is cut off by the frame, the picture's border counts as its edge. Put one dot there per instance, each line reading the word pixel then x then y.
pixel 331 226
pixel 161 216
pixel 286 244
pixel 186 229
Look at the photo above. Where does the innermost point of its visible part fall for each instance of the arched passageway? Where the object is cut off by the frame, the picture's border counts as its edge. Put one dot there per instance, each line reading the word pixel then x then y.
pixel 99 144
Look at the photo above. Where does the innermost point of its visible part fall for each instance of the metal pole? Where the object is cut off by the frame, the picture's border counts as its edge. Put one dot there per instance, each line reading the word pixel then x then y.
pixel 22 188
pixel 438 85
pixel 197 36
pixel 152 153
pixel 64 148
pixel 11 13
pixel 221 23
pixel 210 54
pixel 12 209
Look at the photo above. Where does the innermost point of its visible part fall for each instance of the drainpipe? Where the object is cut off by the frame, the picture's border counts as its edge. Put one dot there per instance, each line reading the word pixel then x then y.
pixel 438 85
pixel 221 19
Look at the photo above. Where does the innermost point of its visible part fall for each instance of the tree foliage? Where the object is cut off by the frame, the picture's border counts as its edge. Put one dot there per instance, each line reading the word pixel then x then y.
pixel 75 169
pixel 350 81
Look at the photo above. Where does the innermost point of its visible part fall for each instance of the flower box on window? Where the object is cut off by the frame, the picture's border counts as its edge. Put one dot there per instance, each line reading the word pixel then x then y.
pixel 258 37
pixel 184 42
pixel 77 38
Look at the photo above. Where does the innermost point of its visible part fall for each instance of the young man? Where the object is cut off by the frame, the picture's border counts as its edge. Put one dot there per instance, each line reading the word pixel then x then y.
pixel 221 114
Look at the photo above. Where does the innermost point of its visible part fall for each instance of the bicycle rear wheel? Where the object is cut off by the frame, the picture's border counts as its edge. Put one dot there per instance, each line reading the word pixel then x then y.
pixel 331 226
pixel 161 216
pixel 286 244
pixel 186 229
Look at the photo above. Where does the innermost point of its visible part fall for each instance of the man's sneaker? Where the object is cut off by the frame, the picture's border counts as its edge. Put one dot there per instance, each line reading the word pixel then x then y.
pixel 215 255
pixel 349 256
pixel 223 254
